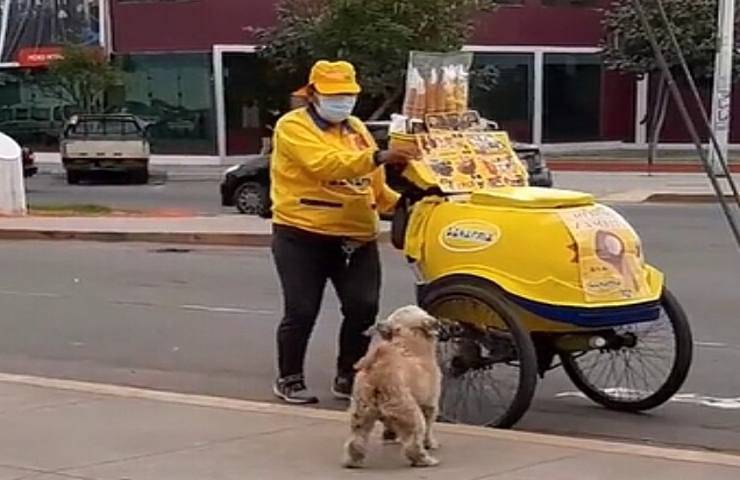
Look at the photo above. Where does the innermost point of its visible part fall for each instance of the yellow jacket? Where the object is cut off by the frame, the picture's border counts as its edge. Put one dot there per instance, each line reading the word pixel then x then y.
pixel 324 179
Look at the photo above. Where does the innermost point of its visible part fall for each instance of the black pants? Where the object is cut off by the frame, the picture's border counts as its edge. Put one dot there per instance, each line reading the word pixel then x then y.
pixel 305 261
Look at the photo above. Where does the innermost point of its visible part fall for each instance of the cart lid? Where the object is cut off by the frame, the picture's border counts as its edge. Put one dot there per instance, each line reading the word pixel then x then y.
pixel 531 198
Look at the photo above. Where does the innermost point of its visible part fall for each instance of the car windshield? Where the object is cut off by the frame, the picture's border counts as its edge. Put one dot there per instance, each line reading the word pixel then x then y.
pixel 104 127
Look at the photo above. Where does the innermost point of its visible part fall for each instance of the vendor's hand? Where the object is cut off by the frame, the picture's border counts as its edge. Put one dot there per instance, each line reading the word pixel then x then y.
pixel 399 157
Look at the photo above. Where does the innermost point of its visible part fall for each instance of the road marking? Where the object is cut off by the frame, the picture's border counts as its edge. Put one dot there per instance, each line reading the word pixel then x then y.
pixel 706 401
pixel 232 310
pixel 690 398
pixel 574 443
pixel 712 345
pixel 30 294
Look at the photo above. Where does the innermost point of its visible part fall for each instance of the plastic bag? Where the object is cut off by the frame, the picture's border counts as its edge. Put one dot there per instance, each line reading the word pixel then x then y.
pixel 437 83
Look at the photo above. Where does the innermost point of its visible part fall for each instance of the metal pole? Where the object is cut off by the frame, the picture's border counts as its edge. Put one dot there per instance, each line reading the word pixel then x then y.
pixel 716 148
pixel 722 93
pixel 4 28
pixel 683 110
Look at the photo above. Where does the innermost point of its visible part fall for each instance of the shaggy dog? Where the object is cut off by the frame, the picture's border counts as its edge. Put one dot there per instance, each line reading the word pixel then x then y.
pixel 397 383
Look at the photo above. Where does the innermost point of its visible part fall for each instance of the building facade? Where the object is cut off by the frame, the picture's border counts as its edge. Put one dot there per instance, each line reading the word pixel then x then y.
pixel 190 69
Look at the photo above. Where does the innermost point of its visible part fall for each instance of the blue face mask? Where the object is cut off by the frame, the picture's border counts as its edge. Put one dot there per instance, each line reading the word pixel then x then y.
pixel 335 108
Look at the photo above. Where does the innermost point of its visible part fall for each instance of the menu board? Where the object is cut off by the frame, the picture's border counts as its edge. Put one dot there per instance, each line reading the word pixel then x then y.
pixel 464 161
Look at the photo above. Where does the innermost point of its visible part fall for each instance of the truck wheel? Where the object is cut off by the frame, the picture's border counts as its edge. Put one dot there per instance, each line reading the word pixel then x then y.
pixel 73 178
pixel 140 177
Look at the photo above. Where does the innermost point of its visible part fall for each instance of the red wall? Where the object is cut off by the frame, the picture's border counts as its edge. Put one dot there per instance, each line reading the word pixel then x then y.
pixel 534 24
pixel 197 25
pixel 194 25
pixel 187 25
pixel 618 95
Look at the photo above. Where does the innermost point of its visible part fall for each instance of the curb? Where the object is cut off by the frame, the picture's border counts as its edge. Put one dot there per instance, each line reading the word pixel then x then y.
pixel 258 240
pixel 264 408
pixel 194 238
pixel 626 167
pixel 685 198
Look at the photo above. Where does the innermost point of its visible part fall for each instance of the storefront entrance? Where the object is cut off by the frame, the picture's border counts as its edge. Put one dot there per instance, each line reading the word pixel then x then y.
pixel 243 117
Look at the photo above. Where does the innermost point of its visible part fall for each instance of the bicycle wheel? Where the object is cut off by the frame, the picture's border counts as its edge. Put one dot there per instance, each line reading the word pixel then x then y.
pixel 645 371
pixel 488 359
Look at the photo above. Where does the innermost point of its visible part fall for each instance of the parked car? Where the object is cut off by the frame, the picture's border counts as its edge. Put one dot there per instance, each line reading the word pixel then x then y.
pixel 29 162
pixel 246 186
pixel 105 143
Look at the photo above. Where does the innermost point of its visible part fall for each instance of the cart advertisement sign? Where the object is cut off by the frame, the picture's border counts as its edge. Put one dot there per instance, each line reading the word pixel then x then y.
pixel 32 32
pixel 460 161
pixel 608 252
pixel 469 236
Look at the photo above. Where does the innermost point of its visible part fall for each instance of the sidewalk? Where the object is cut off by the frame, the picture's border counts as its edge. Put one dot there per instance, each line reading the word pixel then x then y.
pixel 225 230
pixel 235 230
pixel 635 187
pixel 630 159
pixel 56 429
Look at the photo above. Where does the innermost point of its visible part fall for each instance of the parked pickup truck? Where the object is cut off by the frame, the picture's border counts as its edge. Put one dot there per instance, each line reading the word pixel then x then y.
pixel 105 143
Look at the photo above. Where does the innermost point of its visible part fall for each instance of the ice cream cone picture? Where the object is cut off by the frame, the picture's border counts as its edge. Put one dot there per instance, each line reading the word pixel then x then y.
pixel 611 249
pixel 466 166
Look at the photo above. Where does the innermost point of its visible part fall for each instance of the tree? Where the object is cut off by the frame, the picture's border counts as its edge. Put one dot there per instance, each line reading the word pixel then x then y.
pixel 81 79
pixel 375 35
pixel 627 48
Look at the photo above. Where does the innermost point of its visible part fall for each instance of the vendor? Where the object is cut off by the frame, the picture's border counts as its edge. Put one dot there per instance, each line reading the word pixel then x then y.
pixel 327 189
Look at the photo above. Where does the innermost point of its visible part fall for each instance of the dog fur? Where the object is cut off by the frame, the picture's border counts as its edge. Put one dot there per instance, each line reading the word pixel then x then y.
pixel 398 383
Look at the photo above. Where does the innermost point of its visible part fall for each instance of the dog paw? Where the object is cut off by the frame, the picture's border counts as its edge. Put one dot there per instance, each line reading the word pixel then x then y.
pixel 354 455
pixel 352 461
pixel 426 461
pixel 352 464
pixel 431 444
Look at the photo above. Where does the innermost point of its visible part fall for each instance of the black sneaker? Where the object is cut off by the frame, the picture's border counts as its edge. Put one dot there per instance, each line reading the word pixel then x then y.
pixel 293 390
pixel 342 387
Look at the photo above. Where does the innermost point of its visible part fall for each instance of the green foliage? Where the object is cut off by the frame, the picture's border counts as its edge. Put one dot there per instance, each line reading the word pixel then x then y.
pixel 375 35
pixel 627 49
pixel 81 79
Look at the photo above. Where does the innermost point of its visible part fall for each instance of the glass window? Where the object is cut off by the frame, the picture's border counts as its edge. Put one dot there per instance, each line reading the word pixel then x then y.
pixel 29 109
pixel 509 102
pixel 105 127
pixel 572 98
pixel 243 96
pixel 173 93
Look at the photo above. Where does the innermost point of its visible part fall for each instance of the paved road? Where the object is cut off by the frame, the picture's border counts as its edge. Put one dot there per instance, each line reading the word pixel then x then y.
pixel 203 321
pixel 192 190
pixel 196 189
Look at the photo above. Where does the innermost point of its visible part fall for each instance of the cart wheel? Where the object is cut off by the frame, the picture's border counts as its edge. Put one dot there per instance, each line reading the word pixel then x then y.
pixel 642 375
pixel 488 359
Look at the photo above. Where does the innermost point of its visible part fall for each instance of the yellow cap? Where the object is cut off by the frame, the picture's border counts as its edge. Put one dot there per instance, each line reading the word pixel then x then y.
pixel 334 78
